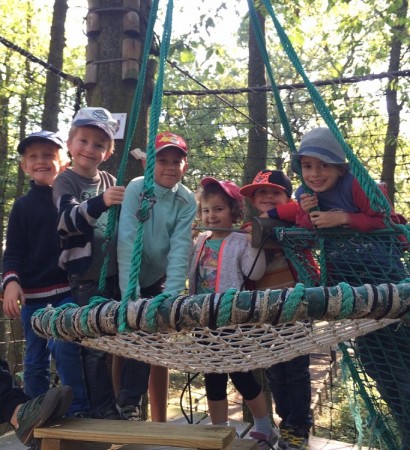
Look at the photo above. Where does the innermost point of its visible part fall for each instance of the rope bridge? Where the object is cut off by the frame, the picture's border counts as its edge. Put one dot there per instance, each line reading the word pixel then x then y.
pixel 243 330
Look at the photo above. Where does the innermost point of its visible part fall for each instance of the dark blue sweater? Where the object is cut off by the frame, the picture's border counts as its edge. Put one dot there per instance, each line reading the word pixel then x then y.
pixel 32 247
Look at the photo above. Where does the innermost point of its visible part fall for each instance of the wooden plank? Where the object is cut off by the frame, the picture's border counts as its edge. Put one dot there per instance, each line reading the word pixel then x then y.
pixel 130 432
pixel 57 444
pixel 237 444
pixel 241 428
pixel 10 442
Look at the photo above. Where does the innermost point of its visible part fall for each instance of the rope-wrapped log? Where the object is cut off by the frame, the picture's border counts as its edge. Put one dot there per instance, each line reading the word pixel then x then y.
pixel 231 331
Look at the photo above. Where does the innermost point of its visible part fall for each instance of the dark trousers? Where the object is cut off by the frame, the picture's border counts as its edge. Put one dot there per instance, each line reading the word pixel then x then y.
pixel 134 374
pixel 10 395
pixel 244 382
pixel 290 385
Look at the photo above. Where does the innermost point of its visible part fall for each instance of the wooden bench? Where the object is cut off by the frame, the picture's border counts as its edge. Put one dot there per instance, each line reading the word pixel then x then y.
pixel 82 434
pixel 201 418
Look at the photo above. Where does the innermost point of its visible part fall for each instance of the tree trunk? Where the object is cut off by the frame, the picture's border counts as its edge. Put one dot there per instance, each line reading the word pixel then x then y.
pixel 116 35
pixel 257 149
pixel 393 107
pixel 116 31
pixel 257 104
pixel 52 94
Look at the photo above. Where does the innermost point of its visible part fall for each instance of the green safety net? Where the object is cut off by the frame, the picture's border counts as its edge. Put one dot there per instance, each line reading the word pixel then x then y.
pixel 379 361
pixel 363 276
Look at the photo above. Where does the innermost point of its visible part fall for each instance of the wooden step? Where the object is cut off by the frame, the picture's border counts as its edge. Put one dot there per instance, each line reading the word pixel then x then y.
pixel 69 433
pixel 241 428
pixel 237 444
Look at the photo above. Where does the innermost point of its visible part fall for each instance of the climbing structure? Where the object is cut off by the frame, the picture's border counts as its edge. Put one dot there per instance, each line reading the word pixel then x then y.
pixel 364 292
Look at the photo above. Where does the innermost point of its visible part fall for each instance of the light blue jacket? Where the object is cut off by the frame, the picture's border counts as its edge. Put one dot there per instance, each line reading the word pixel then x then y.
pixel 167 237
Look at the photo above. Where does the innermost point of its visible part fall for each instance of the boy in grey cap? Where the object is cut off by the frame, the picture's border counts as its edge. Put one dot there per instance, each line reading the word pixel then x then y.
pixel 343 203
pixel 83 195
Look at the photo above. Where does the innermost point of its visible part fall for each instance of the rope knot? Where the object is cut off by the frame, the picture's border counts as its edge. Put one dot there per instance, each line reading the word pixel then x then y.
pixel 143 211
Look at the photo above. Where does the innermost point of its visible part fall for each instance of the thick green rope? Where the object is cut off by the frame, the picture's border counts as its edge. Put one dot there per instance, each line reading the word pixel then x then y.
pixel 377 200
pixel 148 187
pixel 132 121
pixel 225 308
pixel 378 426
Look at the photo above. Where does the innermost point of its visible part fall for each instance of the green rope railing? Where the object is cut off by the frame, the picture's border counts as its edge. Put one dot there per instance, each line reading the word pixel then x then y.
pixel 133 120
pixel 299 303
pixel 148 187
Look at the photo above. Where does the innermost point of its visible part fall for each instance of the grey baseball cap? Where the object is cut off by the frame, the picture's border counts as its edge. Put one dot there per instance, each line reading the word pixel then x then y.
pixel 321 143
pixel 96 117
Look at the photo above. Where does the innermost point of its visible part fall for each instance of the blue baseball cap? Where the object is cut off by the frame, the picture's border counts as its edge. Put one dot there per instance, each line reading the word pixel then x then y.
pixel 42 135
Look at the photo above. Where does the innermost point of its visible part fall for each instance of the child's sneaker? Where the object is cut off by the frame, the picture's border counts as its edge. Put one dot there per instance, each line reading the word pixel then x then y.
pixel 283 437
pixel 129 412
pixel 38 411
pixel 265 442
pixel 297 439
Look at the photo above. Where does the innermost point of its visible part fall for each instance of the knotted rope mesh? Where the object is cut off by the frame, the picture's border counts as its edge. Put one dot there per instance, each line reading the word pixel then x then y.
pixel 243 330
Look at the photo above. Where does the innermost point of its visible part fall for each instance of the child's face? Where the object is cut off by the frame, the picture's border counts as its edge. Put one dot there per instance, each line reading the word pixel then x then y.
pixel 267 198
pixel 170 166
pixel 216 213
pixel 319 175
pixel 41 161
pixel 89 147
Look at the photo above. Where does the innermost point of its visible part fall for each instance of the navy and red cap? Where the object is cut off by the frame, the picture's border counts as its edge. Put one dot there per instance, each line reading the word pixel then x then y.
pixel 268 178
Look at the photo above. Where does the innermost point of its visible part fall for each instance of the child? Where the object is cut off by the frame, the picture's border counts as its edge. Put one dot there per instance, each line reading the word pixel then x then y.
pixel 32 278
pixel 270 194
pixel 166 242
pixel 343 203
pixel 220 261
pixel 25 414
pixel 83 196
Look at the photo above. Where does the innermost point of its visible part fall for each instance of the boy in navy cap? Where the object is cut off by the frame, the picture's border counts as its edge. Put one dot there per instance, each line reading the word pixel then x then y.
pixel 32 278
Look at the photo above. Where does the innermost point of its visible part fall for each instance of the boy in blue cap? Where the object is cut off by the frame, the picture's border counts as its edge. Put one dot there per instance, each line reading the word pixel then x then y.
pixel 32 278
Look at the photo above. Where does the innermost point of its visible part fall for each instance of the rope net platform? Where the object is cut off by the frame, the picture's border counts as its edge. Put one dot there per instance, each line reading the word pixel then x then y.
pixel 244 330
